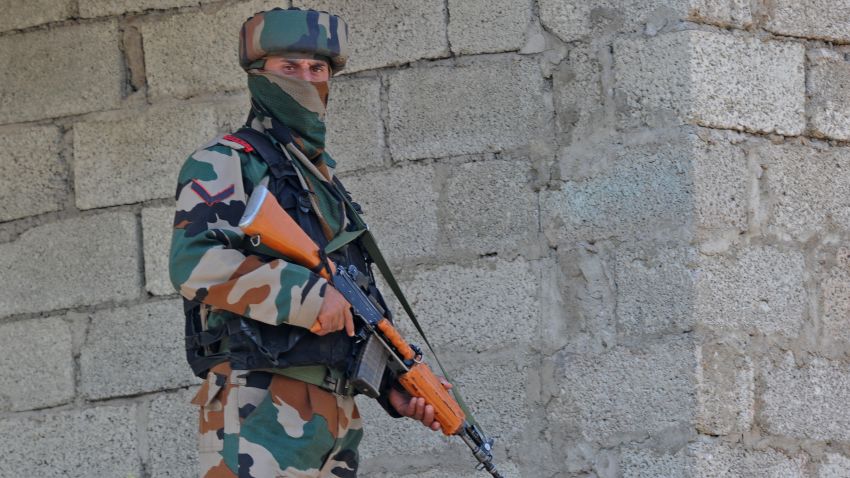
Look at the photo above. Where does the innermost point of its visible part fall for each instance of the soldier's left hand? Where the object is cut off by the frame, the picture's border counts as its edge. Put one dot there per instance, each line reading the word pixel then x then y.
pixel 416 408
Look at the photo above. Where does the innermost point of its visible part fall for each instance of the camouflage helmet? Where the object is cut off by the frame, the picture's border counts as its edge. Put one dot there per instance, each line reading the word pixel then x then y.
pixel 280 31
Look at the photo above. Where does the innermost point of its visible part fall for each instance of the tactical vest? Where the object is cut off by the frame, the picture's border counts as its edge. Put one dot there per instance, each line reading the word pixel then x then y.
pixel 254 345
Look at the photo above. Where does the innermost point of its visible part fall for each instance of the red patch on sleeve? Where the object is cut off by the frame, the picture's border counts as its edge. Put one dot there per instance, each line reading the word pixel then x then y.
pixel 245 145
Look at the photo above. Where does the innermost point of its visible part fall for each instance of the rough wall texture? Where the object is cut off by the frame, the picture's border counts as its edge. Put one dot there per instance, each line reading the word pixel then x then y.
pixel 625 222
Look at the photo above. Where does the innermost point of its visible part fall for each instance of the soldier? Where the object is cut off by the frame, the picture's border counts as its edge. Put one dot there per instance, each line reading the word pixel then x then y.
pixel 271 338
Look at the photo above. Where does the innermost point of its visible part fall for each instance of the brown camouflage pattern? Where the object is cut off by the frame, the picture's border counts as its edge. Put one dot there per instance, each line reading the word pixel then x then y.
pixel 263 425
pixel 207 263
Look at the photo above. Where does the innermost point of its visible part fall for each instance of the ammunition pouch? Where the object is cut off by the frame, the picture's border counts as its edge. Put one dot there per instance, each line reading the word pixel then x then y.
pixel 253 345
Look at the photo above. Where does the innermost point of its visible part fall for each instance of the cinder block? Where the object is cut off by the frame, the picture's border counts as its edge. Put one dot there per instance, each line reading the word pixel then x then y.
pixel 822 19
pixel 137 158
pixel 232 114
pixel 32 177
pixel 81 261
pixel 102 8
pixel 98 441
pixel 761 289
pixel 172 432
pixel 698 76
pixel 725 389
pixel 576 19
pixel 192 53
pixel 829 88
pixel 37 364
pixel 806 401
pixel 489 206
pixel 622 393
pixel 400 206
pixel 473 307
pixel 157 224
pixel 389 32
pixel 670 188
pixel 431 116
pixel 34 12
pixel 713 457
pixel 355 127
pixel 807 189
pixel 654 289
pixel 835 300
pixel 636 462
pixel 834 466
pixel 630 193
pixel 132 350
pixel 496 389
pixel 721 183
pixel 59 72
pixel 487 27
pixel 737 13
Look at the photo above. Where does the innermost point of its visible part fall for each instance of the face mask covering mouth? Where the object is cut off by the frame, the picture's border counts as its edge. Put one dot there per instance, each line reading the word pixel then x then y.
pixel 294 103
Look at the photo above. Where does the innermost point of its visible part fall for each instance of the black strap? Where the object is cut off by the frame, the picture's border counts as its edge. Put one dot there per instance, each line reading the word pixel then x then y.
pixel 281 166
pixel 264 147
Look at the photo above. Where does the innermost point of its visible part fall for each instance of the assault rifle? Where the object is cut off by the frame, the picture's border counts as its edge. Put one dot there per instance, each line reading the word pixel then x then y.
pixel 265 222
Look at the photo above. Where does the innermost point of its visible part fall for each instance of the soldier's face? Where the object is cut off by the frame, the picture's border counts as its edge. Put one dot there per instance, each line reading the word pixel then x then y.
pixel 303 68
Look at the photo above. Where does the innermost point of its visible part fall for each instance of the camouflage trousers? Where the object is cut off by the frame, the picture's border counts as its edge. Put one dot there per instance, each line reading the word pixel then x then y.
pixel 264 425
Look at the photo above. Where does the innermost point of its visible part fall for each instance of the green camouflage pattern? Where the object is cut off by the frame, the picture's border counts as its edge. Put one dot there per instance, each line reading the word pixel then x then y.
pixel 207 260
pixel 261 425
pixel 298 104
pixel 294 30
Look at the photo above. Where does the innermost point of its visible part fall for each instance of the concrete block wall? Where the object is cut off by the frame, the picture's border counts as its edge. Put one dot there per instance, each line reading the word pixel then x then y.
pixel 624 223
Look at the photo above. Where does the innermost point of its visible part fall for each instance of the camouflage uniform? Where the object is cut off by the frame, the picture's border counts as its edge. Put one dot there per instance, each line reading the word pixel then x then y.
pixel 263 424
pixel 268 425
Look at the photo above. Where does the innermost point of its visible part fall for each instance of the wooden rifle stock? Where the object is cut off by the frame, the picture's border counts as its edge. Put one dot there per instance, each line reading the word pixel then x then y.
pixel 267 223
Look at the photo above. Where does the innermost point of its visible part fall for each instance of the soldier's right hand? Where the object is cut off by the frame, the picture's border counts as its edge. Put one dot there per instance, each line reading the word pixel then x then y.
pixel 334 315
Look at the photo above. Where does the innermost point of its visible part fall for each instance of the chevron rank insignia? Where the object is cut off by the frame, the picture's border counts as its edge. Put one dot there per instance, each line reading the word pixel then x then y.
pixel 211 199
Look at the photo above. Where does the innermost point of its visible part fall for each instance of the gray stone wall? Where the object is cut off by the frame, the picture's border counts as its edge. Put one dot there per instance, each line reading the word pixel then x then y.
pixel 625 224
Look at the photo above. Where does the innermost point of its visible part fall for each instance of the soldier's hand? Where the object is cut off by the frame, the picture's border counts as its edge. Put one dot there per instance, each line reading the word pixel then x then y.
pixel 334 315
pixel 416 408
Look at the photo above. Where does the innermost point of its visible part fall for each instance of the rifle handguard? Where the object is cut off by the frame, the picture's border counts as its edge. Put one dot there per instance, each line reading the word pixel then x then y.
pixel 420 381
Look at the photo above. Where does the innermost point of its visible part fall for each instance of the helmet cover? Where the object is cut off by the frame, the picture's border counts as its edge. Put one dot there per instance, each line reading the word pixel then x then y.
pixel 293 31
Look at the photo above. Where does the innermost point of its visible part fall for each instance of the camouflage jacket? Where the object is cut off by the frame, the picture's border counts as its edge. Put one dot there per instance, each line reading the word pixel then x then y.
pixel 208 263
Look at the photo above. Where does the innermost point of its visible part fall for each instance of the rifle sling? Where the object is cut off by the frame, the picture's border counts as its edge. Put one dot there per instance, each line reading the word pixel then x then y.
pixel 367 240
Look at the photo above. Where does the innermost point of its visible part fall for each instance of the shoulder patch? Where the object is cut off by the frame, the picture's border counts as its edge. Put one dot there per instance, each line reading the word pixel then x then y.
pixel 236 143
